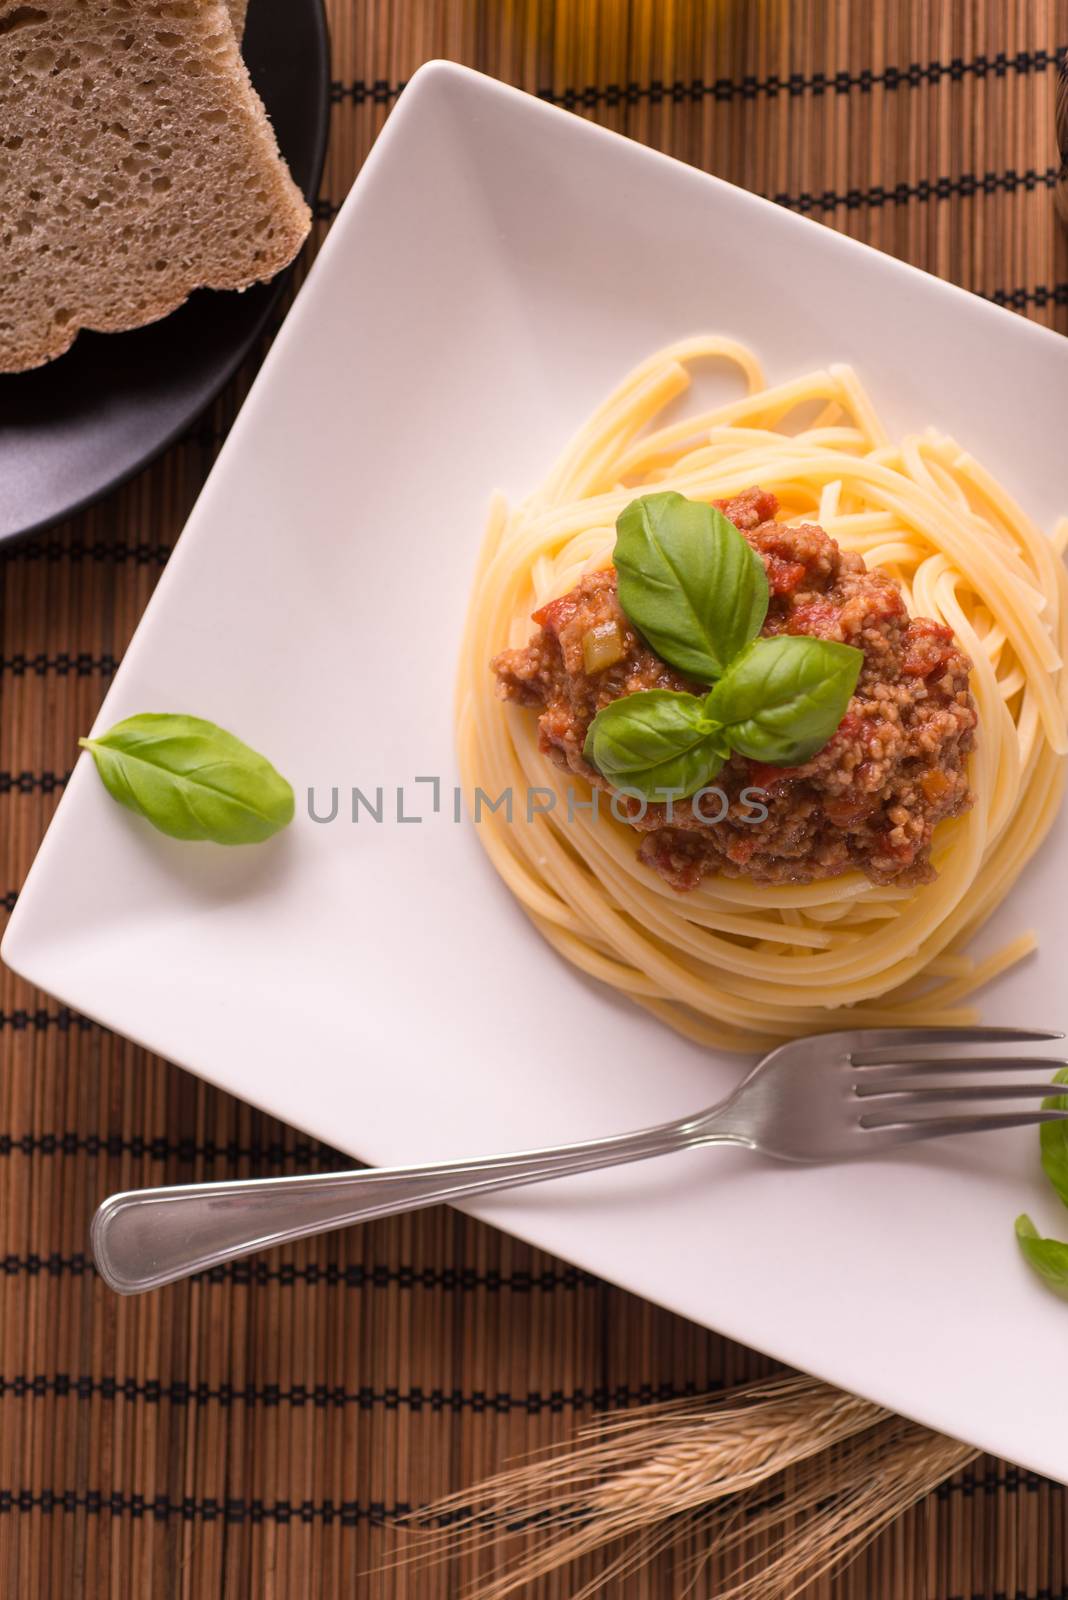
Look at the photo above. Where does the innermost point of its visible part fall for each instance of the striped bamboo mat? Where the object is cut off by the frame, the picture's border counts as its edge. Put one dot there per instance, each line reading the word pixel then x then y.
pixel 248 1434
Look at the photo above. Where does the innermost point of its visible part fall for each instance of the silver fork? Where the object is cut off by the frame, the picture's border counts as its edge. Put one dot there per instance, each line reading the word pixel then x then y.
pixel 830 1097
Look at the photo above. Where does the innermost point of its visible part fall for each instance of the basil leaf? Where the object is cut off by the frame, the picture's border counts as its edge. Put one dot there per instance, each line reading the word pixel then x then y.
pixel 1054 1140
pixel 655 742
pixel 1048 1257
pixel 689 582
pixel 783 698
pixel 191 779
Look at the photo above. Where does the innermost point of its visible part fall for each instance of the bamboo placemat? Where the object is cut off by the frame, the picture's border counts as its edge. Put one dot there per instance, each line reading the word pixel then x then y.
pixel 249 1433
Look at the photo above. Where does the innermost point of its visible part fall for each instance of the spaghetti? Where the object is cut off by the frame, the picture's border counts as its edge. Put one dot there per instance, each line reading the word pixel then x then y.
pixel 739 964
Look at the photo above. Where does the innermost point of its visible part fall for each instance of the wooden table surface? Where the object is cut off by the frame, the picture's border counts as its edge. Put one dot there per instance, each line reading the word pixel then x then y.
pixel 251 1432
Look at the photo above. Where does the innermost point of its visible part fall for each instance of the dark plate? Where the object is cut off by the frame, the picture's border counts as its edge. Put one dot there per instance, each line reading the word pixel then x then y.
pixel 73 429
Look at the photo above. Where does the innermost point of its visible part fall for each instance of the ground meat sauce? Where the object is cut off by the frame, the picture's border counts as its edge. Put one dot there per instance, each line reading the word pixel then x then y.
pixel 869 799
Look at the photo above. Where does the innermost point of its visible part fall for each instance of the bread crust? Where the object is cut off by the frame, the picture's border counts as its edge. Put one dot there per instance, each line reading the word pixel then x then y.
pixel 137 163
pixel 237 10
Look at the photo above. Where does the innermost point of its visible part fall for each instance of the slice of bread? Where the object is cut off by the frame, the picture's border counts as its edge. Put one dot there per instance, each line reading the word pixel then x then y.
pixel 136 164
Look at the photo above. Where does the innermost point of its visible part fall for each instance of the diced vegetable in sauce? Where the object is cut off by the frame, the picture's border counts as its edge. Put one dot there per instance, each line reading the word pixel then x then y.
pixel 602 647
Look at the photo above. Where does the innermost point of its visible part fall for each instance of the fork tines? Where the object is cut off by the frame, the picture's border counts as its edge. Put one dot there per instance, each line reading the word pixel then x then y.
pixel 890 1073
pixel 874 1042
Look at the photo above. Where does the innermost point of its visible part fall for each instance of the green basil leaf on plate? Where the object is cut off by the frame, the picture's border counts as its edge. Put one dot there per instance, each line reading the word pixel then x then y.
pixel 1054 1140
pixel 655 743
pixel 689 582
pixel 1049 1257
pixel 191 779
pixel 784 697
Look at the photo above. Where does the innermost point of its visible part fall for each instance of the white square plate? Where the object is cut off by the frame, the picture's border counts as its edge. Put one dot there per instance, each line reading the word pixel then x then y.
pixel 498 266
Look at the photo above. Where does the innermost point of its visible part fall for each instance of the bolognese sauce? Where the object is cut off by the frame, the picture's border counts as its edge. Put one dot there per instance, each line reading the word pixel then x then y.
pixel 869 800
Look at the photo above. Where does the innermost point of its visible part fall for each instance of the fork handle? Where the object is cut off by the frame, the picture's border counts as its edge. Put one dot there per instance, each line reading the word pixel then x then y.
pixel 144 1238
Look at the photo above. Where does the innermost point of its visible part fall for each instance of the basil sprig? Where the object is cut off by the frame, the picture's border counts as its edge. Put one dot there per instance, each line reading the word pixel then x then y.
pixel 655 743
pixel 689 582
pixel 781 699
pixel 778 702
pixel 1049 1257
pixel 1053 1140
pixel 191 779
pixel 697 590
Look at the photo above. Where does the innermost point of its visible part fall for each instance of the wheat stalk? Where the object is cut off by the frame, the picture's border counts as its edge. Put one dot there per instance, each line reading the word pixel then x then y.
pixel 708 1453
pixel 774 1484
